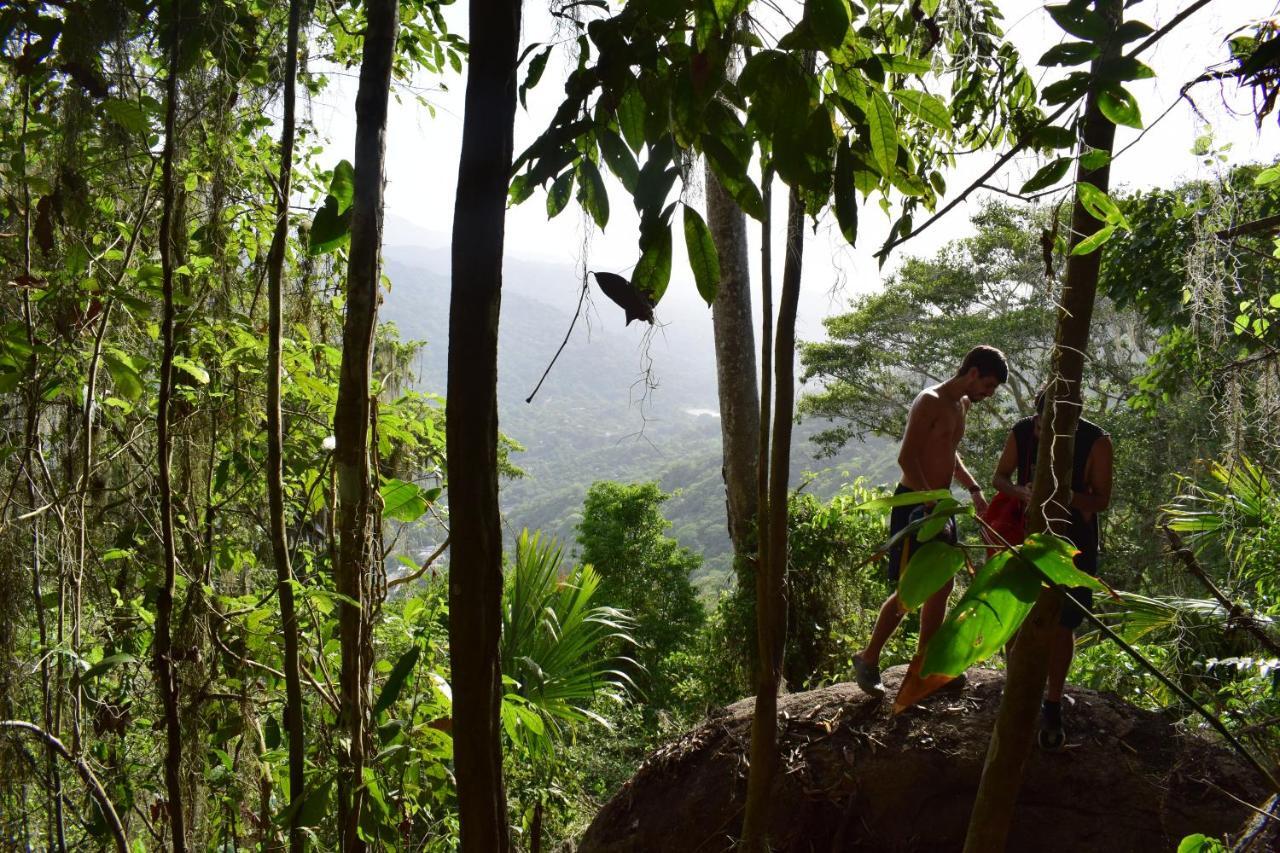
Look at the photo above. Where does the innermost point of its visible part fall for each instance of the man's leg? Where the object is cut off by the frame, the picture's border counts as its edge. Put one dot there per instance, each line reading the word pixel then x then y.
pixel 1062 649
pixel 932 614
pixel 887 622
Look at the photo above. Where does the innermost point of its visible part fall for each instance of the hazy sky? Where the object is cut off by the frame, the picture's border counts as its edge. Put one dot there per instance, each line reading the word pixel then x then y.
pixel 423 155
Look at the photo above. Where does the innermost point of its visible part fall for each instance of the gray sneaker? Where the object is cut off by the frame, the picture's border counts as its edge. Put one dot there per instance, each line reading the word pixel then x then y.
pixel 868 677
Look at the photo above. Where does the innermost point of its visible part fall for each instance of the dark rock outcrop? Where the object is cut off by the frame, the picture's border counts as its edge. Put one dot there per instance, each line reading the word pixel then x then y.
pixel 854 777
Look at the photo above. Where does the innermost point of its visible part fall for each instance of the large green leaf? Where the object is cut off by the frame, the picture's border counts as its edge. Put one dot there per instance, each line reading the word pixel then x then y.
pixel 904 499
pixel 406 502
pixel 845 198
pixel 883 132
pixel 931 566
pixel 394 684
pixel 1070 53
pixel 926 107
pixel 330 229
pixel 1048 175
pixel 343 185
pixel 558 195
pixel 124 375
pixel 828 21
pixel 631 110
pixel 1079 20
pixel 591 193
pixel 703 258
pixel 653 272
pixel 1054 557
pixel 618 158
pixel 129 115
pixel 1118 104
pixel 985 618
pixel 107 663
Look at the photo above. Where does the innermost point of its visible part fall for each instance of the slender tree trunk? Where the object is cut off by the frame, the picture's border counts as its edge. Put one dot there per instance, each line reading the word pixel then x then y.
pixel 771 603
pixel 735 366
pixel 1011 740
pixel 475 567
pixel 293 709
pixel 166 669
pixel 358 545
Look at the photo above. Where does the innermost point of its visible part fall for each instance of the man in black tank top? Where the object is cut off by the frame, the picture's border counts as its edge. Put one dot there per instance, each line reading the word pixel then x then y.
pixel 1090 495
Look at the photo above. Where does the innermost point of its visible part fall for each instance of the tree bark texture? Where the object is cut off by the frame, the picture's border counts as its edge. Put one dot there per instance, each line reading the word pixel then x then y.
pixel 771 601
pixel 293 715
pixel 475 568
pixel 166 669
pixel 358 533
pixel 1011 739
pixel 735 365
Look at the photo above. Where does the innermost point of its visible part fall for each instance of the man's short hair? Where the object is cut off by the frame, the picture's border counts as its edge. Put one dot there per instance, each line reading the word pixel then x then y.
pixel 988 361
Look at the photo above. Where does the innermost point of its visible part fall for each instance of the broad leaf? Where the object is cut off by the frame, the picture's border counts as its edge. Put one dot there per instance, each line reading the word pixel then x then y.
pixel 883 132
pixel 1094 241
pixel 558 195
pixel 653 272
pixel 1048 175
pixel 343 185
pixel 107 663
pixel 703 258
pixel 1054 557
pixel 828 21
pixel 591 193
pixel 1080 21
pixel 128 115
pixel 931 566
pixel 925 107
pixel 1071 53
pixel 631 110
pixel 403 501
pixel 985 618
pixel 618 158
pixel 904 499
pixel 124 375
pixel 330 229
pixel 1119 106
pixel 394 684
pixel 845 198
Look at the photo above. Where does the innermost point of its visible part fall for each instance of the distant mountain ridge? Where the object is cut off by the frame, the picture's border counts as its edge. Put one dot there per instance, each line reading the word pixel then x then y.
pixel 621 403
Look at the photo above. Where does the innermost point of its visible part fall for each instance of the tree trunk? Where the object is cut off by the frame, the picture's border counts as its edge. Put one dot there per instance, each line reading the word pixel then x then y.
pixel 475 567
pixel 293 713
pixel 166 670
pixel 771 603
pixel 358 536
pixel 1011 739
pixel 735 366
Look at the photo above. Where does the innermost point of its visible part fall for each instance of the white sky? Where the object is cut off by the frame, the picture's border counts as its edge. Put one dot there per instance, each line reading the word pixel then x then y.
pixel 422 155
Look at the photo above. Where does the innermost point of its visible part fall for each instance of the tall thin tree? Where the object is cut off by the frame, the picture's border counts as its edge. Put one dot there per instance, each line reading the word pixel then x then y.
pixel 166 669
pixel 359 543
pixel 475 570
pixel 293 711
pixel 1011 740
pixel 771 601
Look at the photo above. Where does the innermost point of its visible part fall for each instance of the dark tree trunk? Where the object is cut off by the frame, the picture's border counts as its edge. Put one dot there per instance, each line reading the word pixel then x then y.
pixel 475 567
pixel 735 366
pixel 293 716
pixel 771 602
pixel 1011 739
pixel 166 669
pixel 358 532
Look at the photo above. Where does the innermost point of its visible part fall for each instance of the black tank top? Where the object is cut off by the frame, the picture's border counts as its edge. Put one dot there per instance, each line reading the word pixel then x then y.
pixel 1083 534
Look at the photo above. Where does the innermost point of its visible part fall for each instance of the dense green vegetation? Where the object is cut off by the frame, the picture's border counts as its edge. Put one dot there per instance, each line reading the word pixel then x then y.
pixel 241 532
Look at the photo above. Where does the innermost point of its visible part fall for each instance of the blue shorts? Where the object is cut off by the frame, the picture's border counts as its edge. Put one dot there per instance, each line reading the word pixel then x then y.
pixel 900 553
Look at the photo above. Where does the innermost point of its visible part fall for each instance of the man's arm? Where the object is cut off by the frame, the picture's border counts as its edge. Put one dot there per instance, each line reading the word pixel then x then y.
pixel 1003 479
pixel 962 476
pixel 1097 479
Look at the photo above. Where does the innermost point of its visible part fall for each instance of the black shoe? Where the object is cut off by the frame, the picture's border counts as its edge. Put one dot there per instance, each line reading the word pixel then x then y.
pixel 1051 737
pixel 868 677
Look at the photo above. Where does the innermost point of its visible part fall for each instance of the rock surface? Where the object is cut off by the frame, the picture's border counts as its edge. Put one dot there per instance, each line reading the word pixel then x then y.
pixel 854 777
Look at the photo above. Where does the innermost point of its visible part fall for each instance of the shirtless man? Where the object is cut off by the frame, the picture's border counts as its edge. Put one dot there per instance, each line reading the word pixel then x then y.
pixel 929 461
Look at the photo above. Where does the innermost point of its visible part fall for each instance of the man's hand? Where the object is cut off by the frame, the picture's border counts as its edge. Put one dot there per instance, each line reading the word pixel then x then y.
pixel 1023 493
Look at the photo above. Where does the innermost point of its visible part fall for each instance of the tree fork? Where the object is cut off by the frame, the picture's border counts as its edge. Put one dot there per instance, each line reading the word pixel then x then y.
pixel 357 535
pixel 475 567
pixel 1011 739
pixel 771 605
pixel 293 709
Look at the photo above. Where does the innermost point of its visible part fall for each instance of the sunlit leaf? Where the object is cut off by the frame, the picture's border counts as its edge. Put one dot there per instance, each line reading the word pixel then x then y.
pixel 1055 558
pixel 931 566
pixel 403 501
pixel 924 106
pixel 883 132
pixel 653 272
pixel 985 618
pixel 1119 105
pixel 1048 175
